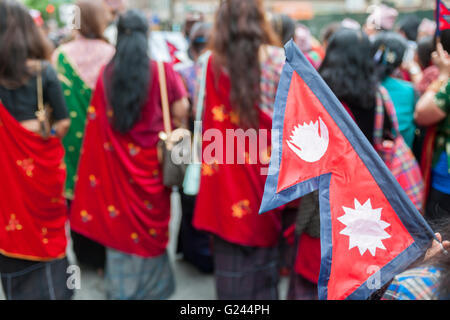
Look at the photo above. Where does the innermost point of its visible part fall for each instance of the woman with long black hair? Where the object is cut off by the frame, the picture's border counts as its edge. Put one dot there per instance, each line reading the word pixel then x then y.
pixel 33 212
pixel 120 200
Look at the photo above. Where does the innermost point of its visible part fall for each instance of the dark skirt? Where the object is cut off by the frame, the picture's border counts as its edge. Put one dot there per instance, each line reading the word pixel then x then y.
pixel 89 254
pixel 287 250
pixel 301 289
pixel 129 277
pixel 27 280
pixel 195 245
pixel 245 273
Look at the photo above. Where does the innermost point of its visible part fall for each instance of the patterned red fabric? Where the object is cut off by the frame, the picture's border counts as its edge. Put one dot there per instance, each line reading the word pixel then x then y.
pixel 230 194
pixel 120 200
pixel 33 212
pixel 397 156
pixel 442 20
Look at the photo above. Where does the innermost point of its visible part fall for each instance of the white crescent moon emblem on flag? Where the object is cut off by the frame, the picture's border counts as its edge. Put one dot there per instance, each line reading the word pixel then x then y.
pixel 307 143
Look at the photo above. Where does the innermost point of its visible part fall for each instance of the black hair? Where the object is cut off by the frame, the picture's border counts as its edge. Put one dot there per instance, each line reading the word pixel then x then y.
pixel 424 49
pixel 409 25
pixel 348 69
pixel 284 26
pixel 328 31
pixel 127 76
pixel 388 50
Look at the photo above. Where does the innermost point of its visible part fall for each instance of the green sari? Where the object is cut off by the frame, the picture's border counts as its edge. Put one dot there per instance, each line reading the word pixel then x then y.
pixel 78 96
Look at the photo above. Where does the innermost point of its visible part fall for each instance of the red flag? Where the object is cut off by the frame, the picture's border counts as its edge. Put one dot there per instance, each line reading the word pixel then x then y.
pixel 173 53
pixel 370 229
pixel 442 16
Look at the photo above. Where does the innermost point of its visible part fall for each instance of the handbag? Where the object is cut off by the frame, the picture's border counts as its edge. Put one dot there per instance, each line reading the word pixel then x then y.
pixel 396 154
pixel 191 183
pixel 43 112
pixel 172 144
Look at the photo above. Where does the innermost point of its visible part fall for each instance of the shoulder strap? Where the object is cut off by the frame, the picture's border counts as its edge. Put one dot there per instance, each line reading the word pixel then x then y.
pixel 40 94
pixel 203 61
pixel 164 98
pixel 384 102
pixel 389 107
pixel 379 121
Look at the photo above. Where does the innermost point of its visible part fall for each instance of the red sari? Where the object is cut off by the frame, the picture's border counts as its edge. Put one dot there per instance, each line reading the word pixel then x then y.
pixel 33 212
pixel 120 200
pixel 230 194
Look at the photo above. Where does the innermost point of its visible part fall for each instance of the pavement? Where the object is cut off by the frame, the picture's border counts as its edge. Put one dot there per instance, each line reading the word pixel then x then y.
pixel 191 284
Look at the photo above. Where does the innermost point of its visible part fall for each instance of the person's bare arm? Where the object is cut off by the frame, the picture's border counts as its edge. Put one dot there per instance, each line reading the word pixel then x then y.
pixel 180 113
pixel 427 112
pixel 61 128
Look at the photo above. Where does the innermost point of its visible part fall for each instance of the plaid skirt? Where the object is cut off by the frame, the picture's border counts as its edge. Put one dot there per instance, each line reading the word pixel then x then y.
pixel 301 289
pixel 27 280
pixel 130 277
pixel 245 273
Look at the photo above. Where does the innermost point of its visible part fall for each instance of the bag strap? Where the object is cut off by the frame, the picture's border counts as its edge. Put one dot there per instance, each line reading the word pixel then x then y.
pixel 379 121
pixel 383 102
pixel 164 98
pixel 203 60
pixel 40 94
pixel 389 107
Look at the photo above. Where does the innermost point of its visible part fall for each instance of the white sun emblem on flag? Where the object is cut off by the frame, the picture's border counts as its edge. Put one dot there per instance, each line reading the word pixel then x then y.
pixel 364 227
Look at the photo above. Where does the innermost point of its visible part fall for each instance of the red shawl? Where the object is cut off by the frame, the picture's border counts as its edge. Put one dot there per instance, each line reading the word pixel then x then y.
pixel 307 261
pixel 119 200
pixel 33 211
pixel 230 194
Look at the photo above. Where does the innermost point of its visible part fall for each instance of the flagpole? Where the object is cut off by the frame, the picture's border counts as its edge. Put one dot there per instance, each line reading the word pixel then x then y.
pixel 438 18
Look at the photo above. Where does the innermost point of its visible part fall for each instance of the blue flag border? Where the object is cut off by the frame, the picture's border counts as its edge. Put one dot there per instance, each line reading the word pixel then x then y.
pixel 405 209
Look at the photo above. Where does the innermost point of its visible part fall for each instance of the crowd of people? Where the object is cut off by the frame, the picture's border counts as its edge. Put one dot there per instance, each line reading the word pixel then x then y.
pixel 97 179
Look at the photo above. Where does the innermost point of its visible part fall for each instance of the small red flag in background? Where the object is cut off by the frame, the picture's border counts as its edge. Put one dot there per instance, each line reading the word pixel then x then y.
pixel 442 16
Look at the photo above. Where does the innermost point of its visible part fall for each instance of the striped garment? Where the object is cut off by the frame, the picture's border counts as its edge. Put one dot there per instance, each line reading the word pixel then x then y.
pixel 270 76
pixel 420 283
pixel 396 154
